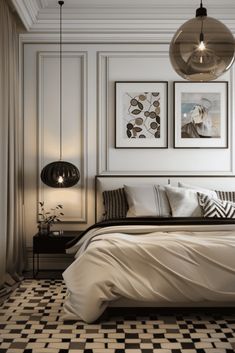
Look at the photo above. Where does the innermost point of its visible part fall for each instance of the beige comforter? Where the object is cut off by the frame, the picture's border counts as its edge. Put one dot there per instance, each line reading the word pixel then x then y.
pixel 150 263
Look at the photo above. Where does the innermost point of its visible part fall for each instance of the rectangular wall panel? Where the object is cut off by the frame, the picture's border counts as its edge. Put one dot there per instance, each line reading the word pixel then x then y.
pixel 152 66
pixel 73 128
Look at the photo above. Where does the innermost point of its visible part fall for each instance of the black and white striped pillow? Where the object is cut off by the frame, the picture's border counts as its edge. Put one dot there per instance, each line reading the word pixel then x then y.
pixel 226 195
pixel 215 208
pixel 115 204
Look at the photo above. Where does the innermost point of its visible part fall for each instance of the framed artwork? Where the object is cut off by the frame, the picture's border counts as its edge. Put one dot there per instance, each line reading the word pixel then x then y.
pixel 141 114
pixel 201 114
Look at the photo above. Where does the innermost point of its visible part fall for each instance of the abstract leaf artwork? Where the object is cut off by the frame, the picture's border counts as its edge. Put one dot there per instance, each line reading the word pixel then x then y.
pixel 142 117
pixel 141 114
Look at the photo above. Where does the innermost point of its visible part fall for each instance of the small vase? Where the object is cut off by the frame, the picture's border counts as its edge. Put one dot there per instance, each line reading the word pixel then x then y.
pixel 43 228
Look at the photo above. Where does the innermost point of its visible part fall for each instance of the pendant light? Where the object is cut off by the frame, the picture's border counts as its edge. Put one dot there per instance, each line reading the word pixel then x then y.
pixel 60 174
pixel 202 49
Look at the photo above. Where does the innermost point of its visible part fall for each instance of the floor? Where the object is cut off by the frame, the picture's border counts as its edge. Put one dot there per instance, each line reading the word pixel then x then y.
pixel 30 321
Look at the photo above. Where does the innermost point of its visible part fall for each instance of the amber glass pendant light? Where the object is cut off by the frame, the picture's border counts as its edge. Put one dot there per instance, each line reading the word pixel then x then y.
pixel 202 49
pixel 60 174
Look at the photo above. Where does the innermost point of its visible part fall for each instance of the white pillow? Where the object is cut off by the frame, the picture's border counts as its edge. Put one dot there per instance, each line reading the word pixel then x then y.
pixel 147 200
pixel 163 205
pixel 184 202
pixel 198 188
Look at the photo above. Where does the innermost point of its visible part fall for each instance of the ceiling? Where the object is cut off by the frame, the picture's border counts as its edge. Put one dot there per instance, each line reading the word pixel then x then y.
pixel 118 15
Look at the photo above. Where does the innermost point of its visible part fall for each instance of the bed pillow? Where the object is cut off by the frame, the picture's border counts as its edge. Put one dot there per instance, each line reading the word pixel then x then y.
pixel 197 188
pixel 115 204
pixel 216 208
pixel 226 195
pixel 147 201
pixel 184 202
pixel 162 201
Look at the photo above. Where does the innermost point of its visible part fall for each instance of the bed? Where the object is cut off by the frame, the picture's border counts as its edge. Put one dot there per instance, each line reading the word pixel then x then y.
pixel 154 261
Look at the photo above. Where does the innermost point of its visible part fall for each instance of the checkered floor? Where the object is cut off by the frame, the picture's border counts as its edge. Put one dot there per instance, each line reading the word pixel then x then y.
pixel 30 321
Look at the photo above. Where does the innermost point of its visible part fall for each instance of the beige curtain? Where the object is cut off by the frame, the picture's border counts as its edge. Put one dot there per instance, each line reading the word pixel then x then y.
pixel 11 205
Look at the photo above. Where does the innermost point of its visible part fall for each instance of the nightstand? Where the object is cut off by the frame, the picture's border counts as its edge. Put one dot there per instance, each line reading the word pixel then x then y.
pixel 50 244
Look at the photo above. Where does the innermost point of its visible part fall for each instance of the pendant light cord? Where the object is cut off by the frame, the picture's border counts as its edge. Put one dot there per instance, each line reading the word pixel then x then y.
pixel 202 34
pixel 61 4
pixel 202 19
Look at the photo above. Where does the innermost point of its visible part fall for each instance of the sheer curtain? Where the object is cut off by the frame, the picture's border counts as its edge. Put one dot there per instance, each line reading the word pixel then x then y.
pixel 11 205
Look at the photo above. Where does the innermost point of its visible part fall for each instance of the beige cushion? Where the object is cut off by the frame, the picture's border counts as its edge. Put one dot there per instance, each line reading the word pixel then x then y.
pixel 147 200
pixel 198 188
pixel 184 202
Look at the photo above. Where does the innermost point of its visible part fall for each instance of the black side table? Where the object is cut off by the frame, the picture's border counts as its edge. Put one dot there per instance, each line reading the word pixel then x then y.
pixel 50 244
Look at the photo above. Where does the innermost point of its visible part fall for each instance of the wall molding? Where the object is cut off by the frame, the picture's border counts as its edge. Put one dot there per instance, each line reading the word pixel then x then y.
pixel 104 117
pixel 103 99
pixel 112 16
pixel 28 11
pixel 122 31
pixel 42 189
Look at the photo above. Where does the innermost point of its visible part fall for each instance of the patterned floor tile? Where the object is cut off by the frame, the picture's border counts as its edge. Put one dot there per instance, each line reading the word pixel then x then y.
pixel 30 322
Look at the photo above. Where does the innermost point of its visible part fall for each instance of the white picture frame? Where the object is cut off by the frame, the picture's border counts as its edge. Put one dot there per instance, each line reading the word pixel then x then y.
pixel 201 114
pixel 141 119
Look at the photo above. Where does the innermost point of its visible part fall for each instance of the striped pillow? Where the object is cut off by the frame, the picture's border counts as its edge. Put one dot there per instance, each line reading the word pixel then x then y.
pixel 147 200
pixel 115 204
pixel 226 195
pixel 215 208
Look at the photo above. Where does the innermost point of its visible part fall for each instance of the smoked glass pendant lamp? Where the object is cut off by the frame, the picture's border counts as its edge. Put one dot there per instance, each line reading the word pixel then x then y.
pixel 203 48
pixel 60 174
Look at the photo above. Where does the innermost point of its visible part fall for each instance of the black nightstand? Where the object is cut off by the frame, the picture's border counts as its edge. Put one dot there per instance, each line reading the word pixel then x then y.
pixel 50 244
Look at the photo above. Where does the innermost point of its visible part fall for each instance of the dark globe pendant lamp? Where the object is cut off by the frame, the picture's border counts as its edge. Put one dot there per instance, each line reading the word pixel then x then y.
pixel 202 49
pixel 60 174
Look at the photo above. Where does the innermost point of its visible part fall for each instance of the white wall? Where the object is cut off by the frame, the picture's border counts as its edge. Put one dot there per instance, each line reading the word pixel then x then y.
pixel 90 71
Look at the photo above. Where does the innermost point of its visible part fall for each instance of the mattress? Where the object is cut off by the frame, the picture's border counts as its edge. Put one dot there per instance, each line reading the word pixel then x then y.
pixel 150 265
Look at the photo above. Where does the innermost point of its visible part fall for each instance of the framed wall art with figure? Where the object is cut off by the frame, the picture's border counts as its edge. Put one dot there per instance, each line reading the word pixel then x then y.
pixel 201 114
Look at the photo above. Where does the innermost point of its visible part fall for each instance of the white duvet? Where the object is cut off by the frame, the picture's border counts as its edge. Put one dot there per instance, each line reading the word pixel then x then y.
pixel 150 263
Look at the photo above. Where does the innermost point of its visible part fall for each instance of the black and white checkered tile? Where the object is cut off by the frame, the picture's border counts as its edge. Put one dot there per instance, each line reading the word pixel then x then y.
pixel 30 321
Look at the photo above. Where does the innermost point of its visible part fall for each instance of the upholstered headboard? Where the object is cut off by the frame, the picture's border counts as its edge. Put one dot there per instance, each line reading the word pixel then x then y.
pixel 111 182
